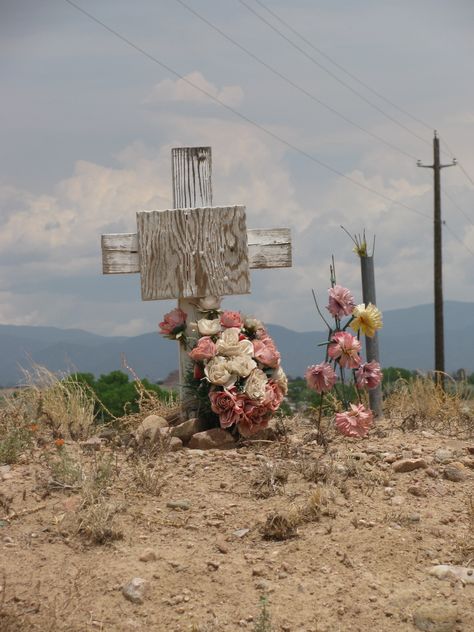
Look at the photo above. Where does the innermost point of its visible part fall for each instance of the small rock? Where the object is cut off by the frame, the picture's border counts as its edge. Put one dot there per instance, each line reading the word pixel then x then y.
pixel 148 555
pixel 435 618
pixel 149 429
pixel 212 565
pixel 447 571
pixel 398 501
pixel 222 547
pixel 187 429
pixel 239 533
pixel 175 444
pixel 468 461
pixel 454 473
pixel 93 444
pixel 432 472
pixel 408 465
pixel 389 457
pixel 470 449
pixel 417 491
pixel 135 590
pixel 211 439
pixel 443 455
pixel 179 504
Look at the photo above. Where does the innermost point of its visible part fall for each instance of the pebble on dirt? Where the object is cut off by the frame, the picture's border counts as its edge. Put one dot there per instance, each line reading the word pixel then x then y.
pixel 135 590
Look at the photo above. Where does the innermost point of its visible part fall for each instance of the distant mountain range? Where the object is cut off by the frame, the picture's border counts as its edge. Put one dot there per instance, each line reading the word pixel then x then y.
pixel 406 340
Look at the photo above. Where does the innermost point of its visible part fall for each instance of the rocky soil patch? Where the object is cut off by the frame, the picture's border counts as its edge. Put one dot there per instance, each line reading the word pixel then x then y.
pixel 374 534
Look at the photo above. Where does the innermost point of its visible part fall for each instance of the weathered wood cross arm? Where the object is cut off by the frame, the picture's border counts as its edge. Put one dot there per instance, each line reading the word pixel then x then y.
pixel 267 248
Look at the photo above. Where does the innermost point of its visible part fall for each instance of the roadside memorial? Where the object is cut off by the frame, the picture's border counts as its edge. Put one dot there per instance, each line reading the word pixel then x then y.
pixel 195 253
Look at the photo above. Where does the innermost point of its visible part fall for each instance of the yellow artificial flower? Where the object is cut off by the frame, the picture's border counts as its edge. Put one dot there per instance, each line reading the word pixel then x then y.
pixel 367 319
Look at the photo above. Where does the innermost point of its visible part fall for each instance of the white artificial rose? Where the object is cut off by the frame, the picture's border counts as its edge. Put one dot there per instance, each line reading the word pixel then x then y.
pixel 280 379
pixel 208 327
pixel 246 347
pixel 252 324
pixel 218 372
pixel 255 385
pixel 208 303
pixel 228 343
pixel 242 365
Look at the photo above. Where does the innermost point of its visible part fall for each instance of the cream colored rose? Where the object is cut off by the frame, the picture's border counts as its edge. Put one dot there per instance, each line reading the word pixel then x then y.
pixel 218 372
pixel 228 343
pixel 242 365
pixel 208 327
pixel 253 324
pixel 255 385
pixel 280 379
pixel 246 347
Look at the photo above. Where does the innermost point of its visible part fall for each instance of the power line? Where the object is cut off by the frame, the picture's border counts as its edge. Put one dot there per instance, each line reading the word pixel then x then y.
pixel 292 83
pixel 245 118
pixel 456 205
pixel 471 180
pixel 344 70
pixel 450 230
pixel 330 73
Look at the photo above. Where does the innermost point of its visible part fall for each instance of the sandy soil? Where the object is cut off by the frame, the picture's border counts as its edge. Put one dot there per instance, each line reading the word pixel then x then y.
pixel 357 560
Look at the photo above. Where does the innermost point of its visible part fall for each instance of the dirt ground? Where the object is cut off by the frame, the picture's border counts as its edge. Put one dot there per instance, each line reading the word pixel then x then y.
pixel 200 528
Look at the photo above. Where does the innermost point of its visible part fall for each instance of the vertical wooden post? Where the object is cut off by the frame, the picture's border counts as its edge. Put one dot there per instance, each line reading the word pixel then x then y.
pixel 191 169
pixel 371 344
pixel 438 269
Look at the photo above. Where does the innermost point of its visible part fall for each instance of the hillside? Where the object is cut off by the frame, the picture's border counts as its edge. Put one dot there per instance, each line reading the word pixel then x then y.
pixel 406 341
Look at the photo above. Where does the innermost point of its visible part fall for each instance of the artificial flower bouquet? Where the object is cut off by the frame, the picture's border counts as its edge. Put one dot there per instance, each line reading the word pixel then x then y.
pixel 343 353
pixel 236 371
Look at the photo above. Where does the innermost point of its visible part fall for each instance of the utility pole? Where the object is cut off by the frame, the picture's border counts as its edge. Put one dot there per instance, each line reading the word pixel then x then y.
pixel 438 261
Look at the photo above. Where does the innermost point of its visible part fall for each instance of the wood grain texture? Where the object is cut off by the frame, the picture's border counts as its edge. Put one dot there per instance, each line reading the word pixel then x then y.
pixel 193 252
pixel 267 248
pixel 192 177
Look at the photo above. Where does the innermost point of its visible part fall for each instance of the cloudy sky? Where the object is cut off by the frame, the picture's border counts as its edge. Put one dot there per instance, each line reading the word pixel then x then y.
pixel 88 122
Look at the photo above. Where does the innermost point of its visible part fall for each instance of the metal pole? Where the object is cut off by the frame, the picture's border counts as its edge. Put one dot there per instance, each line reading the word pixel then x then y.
pixel 371 344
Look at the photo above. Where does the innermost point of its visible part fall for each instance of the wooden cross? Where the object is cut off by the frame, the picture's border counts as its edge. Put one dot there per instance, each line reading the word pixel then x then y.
pixel 196 249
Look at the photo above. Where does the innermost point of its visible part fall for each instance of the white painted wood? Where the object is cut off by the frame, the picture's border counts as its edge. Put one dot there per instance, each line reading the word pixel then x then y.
pixel 193 252
pixel 267 248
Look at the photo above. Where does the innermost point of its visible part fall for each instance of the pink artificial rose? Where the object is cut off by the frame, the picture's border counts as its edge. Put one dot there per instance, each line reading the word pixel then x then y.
pixel 344 348
pixel 232 319
pixel 341 301
pixel 204 350
pixel 320 377
pixel 266 352
pixel 273 396
pixel 354 422
pixel 369 375
pixel 226 404
pixel 173 323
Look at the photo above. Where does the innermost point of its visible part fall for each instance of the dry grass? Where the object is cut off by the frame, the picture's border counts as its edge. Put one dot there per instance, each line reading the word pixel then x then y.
pixel 63 407
pixel 269 479
pixel 148 476
pixel 421 403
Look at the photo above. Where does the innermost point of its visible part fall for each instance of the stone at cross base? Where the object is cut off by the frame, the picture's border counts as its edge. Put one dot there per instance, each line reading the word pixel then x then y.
pixel 195 250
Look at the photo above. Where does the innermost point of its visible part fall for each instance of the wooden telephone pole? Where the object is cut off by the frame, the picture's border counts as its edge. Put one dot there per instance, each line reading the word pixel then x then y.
pixel 438 261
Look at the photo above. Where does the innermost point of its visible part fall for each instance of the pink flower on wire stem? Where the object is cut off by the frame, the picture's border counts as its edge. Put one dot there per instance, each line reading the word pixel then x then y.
pixel 368 375
pixel 341 301
pixel 354 422
pixel 173 322
pixel 320 377
pixel 344 347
